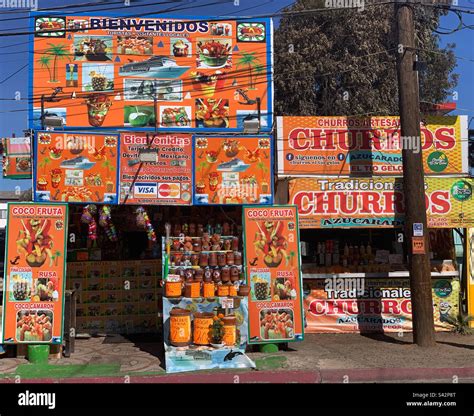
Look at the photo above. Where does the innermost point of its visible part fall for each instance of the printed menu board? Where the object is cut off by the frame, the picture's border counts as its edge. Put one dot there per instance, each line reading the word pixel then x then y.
pixel 199 74
pixel 35 266
pixel 273 270
pixel 233 170
pixel 167 181
pixel 17 157
pixel 76 167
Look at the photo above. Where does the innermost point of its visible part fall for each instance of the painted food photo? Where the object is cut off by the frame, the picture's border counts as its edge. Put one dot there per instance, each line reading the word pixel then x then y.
pixel 276 324
pixel 34 325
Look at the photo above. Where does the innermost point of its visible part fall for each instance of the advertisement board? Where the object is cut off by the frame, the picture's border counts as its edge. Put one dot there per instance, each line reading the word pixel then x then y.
pixel 273 270
pixel 233 170
pixel 372 305
pixel 379 202
pixel 312 146
pixel 76 167
pixel 35 266
pixel 16 157
pixel 114 71
pixel 167 181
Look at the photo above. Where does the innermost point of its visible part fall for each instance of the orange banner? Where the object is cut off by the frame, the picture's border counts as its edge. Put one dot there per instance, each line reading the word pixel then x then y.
pixel 309 146
pixel 113 71
pixel 372 305
pixel 167 181
pixel 272 264
pixel 76 167
pixel 35 266
pixel 233 170
pixel 16 157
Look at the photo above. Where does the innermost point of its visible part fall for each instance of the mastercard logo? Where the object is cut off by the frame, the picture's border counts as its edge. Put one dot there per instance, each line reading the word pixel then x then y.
pixel 169 190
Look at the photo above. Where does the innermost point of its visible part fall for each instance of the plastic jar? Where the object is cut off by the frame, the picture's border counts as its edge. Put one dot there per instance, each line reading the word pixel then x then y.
pixel 202 322
pixel 173 289
pixel 230 330
pixel 180 327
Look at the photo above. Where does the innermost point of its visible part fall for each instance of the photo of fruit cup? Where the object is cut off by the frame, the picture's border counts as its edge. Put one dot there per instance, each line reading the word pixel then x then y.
pixel 213 181
pixel 56 176
pixel 97 108
pixel 200 188
pixel 42 184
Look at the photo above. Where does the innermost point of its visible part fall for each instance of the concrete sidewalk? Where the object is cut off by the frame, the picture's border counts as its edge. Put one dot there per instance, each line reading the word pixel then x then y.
pixel 321 358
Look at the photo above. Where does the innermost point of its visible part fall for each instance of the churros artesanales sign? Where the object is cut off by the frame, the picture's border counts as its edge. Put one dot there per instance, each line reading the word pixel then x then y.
pixel 312 146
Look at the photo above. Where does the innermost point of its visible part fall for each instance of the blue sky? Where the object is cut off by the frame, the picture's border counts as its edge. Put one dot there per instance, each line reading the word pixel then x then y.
pixel 14 54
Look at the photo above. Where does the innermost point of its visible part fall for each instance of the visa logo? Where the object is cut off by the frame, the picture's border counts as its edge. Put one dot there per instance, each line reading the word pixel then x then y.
pixel 146 190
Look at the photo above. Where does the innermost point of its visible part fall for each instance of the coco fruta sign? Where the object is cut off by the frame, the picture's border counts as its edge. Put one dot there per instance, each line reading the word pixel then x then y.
pixel 311 146
pixel 272 264
pixel 35 265
pixel 166 181
pixel 379 202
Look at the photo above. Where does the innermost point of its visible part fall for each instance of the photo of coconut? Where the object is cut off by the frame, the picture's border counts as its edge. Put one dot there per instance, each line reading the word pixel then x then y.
pixel 276 324
pixel 283 289
pixel 45 290
pixel 97 77
pixel 20 286
pixel 139 116
pixel 34 325
pixel 92 48
pixel 145 90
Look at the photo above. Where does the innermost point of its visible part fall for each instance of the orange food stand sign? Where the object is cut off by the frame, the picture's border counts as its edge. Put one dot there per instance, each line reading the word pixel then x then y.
pixel 76 167
pixel 35 266
pixel 202 75
pixel 233 170
pixel 272 264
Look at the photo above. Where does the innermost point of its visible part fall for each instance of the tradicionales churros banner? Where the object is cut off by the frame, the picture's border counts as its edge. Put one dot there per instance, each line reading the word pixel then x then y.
pixel 35 265
pixel 165 182
pixel 372 305
pixel 201 75
pixel 272 264
pixel 76 167
pixel 379 202
pixel 309 146
pixel 233 170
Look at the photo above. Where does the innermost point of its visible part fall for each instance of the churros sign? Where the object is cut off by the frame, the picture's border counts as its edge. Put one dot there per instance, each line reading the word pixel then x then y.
pixel 310 146
pixel 380 202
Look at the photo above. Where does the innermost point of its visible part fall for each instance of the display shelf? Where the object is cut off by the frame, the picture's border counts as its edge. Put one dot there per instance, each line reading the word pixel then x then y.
pixel 199 252
pixel 373 275
pixel 201 267
pixel 222 236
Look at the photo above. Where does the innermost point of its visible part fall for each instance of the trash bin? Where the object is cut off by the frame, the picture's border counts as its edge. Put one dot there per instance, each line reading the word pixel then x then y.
pixel 38 354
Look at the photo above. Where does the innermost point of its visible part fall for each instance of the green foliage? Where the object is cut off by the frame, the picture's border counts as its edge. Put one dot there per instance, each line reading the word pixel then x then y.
pixel 460 323
pixel 344 62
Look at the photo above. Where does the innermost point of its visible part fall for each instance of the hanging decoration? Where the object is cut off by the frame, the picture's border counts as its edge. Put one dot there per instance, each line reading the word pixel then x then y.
pixel 105 221
pixel 87 217
pixel 143 221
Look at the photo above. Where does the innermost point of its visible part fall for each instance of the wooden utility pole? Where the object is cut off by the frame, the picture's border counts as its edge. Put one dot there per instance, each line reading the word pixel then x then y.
pixel 413 178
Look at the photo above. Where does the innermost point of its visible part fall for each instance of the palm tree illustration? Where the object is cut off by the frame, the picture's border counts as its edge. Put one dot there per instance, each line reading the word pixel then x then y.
pixel 45 62
pixel 291 257
pixel 202 166
pixel 249 60
pixel 56 256
pixel 59 52
pixel 44 163
pixel 263 168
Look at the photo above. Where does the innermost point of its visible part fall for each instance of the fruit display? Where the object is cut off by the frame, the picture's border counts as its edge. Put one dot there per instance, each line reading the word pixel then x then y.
pixel 271 244
pixel 212 112
pixel 35 243
pixel 283 289
pixel 261 288
pixel 276 324
pixel 175 117
pixel 55 152
pixel 98 81
pixel 44 291
pixel 207 84
pixel 214 53
pixel 34 326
